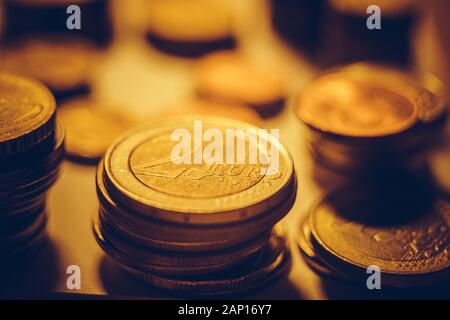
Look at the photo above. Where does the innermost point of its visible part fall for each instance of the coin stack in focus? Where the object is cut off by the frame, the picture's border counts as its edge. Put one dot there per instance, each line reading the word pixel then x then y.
pixel 31 150
pixel 370 130
pixel 192 229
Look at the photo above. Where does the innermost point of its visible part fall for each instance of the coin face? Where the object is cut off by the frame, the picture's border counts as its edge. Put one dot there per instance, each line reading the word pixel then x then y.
pixel 419 246
pixel 141 171
pixel 91 127
pixel 26 109
pixel 361 101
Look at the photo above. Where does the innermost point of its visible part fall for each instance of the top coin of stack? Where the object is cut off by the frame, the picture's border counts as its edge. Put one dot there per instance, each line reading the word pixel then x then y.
pixel 31 149
pixel 365 117
pixel 180 226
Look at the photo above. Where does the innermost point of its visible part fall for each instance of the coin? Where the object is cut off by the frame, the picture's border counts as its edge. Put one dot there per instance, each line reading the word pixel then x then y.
pixel 232 77
pixel 270 263
pixel 141 174
pixel 63 65
pixel 206 28
pixel 208 258
pixel 415 246
pixel 27 114
pixel 91 127
pixel 363 101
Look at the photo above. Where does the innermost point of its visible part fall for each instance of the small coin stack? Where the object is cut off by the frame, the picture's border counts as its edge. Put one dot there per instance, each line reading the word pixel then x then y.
pixel 193 229
pixel 31 150
pixel 408 242
pixel 370 128
pixel 369 124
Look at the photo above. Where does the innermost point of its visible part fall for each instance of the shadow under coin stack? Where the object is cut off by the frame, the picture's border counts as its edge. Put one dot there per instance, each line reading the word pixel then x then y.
pixel 370 130
pixel 193 229
pixel 31 150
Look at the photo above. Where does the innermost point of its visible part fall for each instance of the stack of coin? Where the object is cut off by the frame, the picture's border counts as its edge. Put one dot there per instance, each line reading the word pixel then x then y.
pixel 31 150
pixel 232 77
pixel 26 18
pixel 408 242
pixel 370 123
pixel 348 33
pixel 63 65
pixel 190 28
pixel 193 229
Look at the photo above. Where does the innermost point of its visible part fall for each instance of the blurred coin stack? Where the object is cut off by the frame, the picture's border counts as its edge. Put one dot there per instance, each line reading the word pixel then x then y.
pixel 190 28
pixel 368 124
pixel 31 150
pixel 192 229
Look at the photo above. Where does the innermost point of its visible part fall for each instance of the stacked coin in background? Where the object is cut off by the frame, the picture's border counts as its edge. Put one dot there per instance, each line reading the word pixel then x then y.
pixel 31 150
pixel 64 65
pixel 208 26
pixel 193 229
pixel 370 124
pixel 370 128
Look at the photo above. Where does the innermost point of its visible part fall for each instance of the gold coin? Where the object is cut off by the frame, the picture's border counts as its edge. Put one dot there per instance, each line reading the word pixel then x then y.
pixel 272 260
pixel 27 114
pixel 62 65
pixel 189 20
pixel 231 77
pixel 363 100
pixel 142 173
pixel 418 246
pixel 91 127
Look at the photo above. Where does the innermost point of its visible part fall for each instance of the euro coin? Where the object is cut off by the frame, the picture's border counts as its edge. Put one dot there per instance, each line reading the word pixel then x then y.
pixel 141 174
pixel 411 248
pixel 27 114
pixel 362 101
pixel 232 77
pixel 91 127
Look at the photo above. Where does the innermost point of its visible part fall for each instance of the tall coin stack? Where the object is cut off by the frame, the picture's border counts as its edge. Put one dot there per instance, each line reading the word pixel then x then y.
pixel 193 229
pixel 369 131
pixel 31 150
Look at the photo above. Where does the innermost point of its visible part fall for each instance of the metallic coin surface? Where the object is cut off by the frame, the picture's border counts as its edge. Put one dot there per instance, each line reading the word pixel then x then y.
pixel 229 76
pixel 91 127
pixel 27 113
pixel 141 173
pixel 363 101
pixel 415 247
pixel 206 21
